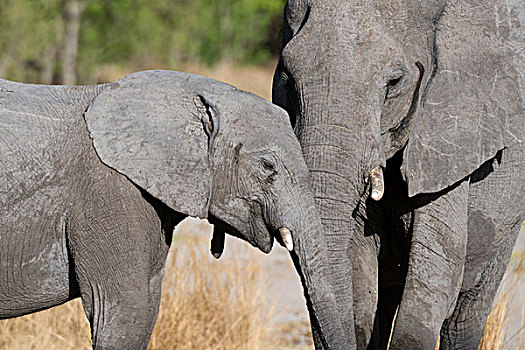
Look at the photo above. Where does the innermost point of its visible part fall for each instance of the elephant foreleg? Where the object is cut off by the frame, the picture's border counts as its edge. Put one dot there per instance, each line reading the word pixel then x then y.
pixel 494 220
pixel 393 225
pixel 120 291
pixel 464 328
pixel 119 260
pixel 435 269
pixel 121 321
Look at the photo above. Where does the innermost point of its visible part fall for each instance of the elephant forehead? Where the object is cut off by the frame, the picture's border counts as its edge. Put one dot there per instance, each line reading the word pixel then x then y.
pixel 260 131
pixel 263 109
pixel 244 114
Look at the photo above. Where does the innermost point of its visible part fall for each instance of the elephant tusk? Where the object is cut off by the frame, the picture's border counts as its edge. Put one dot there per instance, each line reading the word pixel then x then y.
pixel 378 183
pixel 287 238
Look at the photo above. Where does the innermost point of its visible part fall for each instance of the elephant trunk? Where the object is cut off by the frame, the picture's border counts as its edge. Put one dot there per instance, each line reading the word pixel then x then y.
pixel 342 147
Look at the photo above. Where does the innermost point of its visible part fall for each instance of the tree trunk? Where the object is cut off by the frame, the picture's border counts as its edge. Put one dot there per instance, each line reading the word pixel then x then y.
pixel 73 14
pixel 47 74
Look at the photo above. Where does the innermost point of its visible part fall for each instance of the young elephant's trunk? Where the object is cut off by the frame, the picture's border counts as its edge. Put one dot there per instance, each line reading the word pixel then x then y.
pixel 310 256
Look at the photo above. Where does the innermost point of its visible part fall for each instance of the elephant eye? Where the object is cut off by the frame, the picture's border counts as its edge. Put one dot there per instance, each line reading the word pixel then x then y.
pixel 268 165
pixel 393 82
pixel 393 86
pixel 270 169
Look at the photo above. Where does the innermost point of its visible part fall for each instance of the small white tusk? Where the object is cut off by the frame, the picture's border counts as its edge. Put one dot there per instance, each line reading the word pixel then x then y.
pixel 287 238
pixel 378 183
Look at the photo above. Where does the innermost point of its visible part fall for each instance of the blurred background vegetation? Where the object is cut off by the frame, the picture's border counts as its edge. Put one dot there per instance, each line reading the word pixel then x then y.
pixel 75 41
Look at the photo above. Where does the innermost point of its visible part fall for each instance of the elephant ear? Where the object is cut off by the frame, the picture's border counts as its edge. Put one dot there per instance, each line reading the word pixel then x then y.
pixel 473 105
pixel 153 128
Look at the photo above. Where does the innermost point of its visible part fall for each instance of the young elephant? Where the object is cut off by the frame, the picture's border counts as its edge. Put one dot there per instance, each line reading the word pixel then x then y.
pixel 94 179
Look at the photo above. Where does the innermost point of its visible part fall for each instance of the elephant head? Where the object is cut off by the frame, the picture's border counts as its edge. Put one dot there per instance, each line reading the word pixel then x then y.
pixel 208 150
pixel 436 83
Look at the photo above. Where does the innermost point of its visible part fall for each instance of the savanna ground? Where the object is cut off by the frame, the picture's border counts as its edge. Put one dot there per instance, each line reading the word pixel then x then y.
pixel 245 300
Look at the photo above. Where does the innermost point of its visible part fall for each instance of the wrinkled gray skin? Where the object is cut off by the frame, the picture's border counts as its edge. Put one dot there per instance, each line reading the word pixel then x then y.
pixel 432 91
pixel 94 179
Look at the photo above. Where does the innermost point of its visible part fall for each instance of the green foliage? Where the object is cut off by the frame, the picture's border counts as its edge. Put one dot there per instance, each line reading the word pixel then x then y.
pixel 238 30
pixel 137 33
pixel 30 31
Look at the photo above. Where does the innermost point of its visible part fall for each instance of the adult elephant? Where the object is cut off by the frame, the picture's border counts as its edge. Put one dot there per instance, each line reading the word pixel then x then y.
pixel 94 178
pixel 431 94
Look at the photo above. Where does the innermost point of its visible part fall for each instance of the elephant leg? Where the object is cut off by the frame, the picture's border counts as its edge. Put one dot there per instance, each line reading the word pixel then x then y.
pixel 435 269
pixel 122 319
pixel 118 260
pixel 493 226
pixel 119 293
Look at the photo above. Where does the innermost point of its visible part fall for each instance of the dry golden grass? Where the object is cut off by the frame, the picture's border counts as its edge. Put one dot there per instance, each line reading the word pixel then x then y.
pixel 213 304
pixel 257 80
pixel 508 301
pixel 62 327
pixel 206 304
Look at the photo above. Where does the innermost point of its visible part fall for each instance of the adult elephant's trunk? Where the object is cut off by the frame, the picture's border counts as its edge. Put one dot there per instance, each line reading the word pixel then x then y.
pixel 337 111
pixel 341 149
